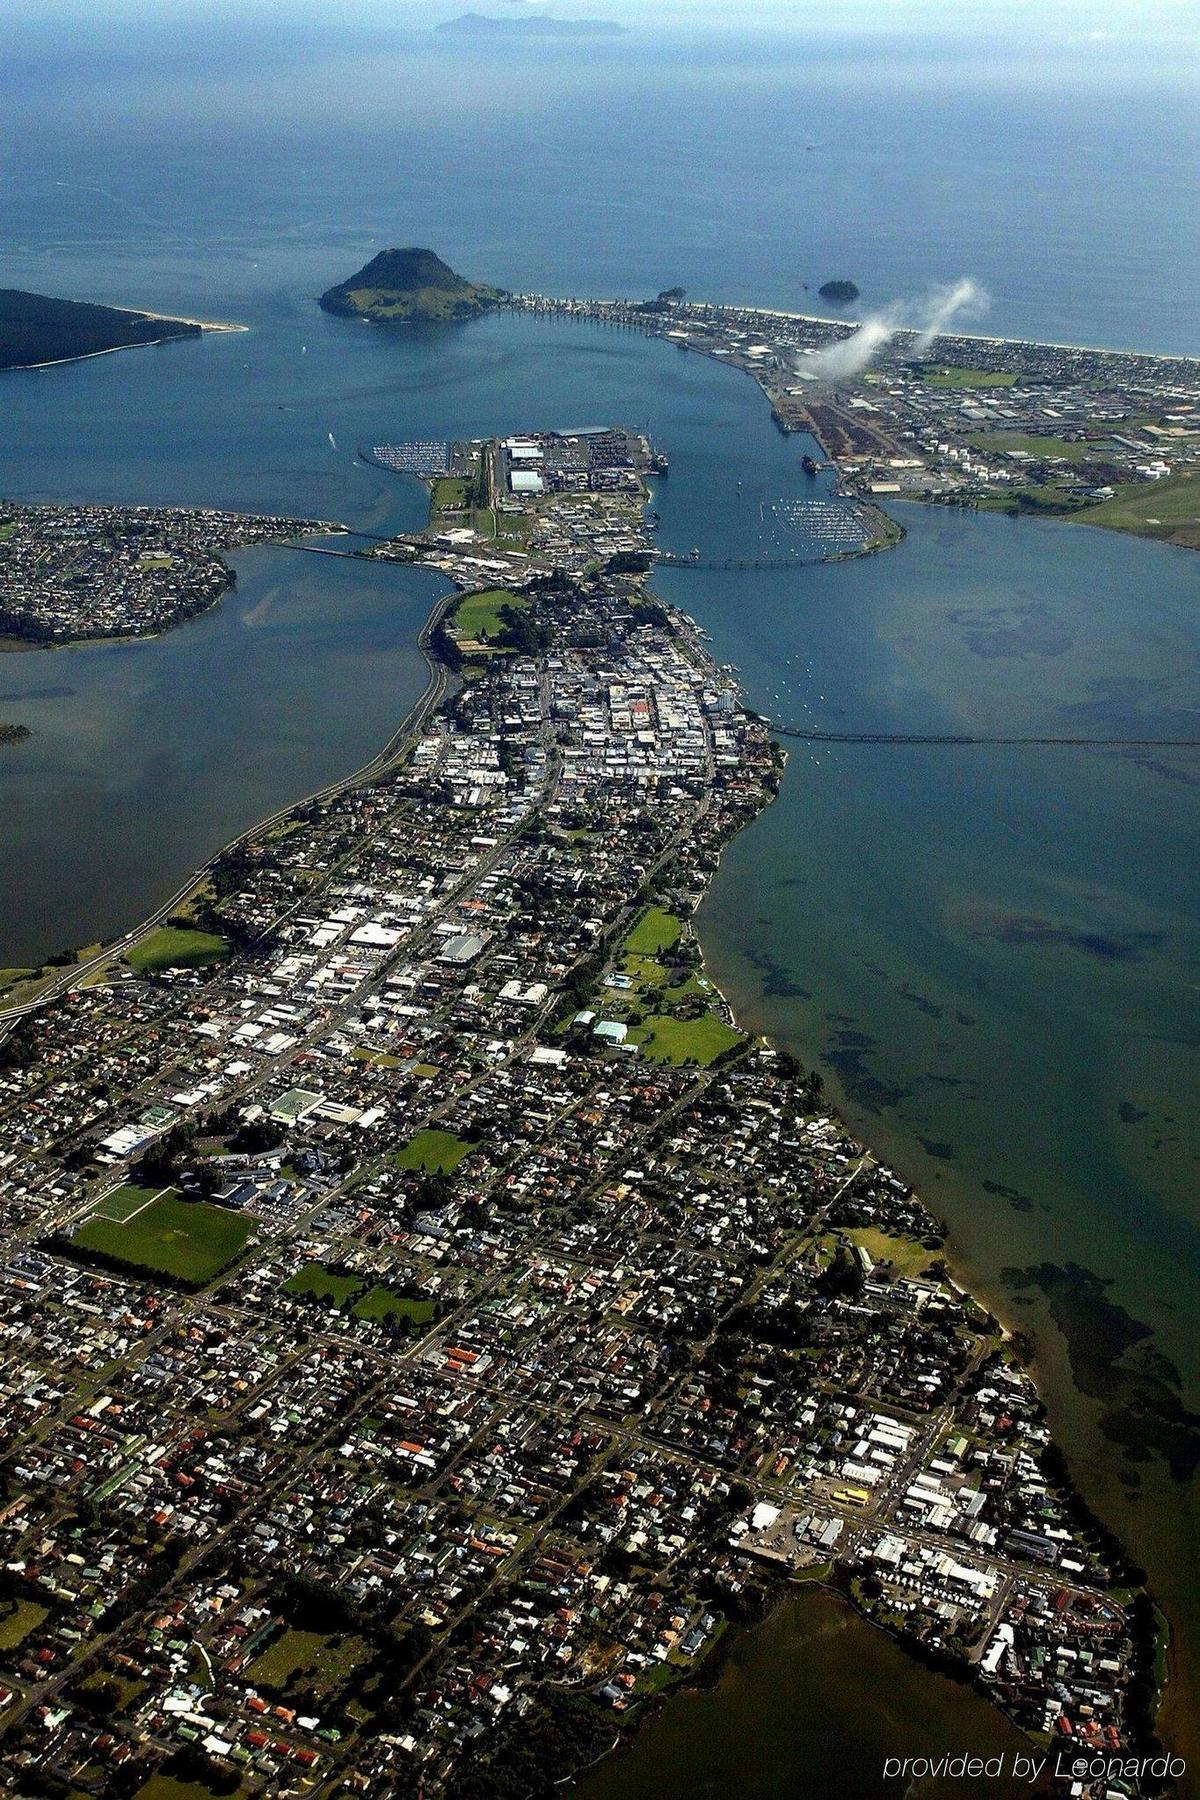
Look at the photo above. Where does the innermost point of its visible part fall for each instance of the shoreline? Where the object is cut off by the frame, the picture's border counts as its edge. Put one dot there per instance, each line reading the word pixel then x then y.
pixel 629 315
pixel 434 662
pixel 430 696
pixel 14 643
pixel 964 1277
pixel 204 327
pixel 778 1586
pixel 580 308
pixel 971 337
pixel 432 699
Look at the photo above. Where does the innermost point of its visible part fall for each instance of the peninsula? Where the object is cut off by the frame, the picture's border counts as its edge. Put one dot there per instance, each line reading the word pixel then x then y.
pixel 70 573
pixel 1101 437
pixel 469 1320
pixel 407 286
pixel 37 330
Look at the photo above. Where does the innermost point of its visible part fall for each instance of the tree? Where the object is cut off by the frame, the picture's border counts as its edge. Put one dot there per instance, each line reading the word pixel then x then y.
pixel 160 1161
pixel 844 1277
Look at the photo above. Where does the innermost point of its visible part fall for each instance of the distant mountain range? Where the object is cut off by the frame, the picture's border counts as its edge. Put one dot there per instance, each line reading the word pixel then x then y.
pixel 533 25
pixel 34 328
pixel 407 286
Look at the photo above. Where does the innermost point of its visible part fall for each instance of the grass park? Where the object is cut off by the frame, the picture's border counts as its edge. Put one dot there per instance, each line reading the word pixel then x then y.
pixel 654 932
pixel 323 1660
pixel 667 1002
pixel 23 1617
pixel 449 494
pixel 1045 449
pixel 433 1152
pixel 1168 509
pixel 158 1233
pixel 316 1282
pixel 382 1305
pixel 169 1787
pixel 954 375
pixel 477 617
pixel 905 1254
pixel 379 1304
pixel 669 1040
pixel 173 947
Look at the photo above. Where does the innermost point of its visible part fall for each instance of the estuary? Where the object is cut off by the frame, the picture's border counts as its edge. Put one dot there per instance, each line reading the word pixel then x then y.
pixel 989 952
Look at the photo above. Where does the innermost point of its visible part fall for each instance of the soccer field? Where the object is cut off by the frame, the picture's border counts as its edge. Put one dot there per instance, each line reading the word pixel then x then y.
pixel 121 1204
pixel 157 1233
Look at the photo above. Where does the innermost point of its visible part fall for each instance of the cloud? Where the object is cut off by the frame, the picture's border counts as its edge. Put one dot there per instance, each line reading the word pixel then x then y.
pixel 956 302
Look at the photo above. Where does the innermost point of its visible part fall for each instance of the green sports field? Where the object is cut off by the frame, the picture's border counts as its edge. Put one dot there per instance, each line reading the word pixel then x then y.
pixel 436 1152
pixel 478 615
pixel 171 947
pixel 656 930
pixel 160 1234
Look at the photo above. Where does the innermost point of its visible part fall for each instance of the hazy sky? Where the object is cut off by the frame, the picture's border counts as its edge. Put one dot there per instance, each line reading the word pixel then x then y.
pixel 1097 20
pixel 738 149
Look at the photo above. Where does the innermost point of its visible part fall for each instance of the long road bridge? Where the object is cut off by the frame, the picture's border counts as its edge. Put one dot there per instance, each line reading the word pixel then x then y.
pixel 665 557
pixel 671 561
pixel 808 736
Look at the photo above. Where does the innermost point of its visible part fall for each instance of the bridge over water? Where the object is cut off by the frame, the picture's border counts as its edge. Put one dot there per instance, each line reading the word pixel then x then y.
pixel 809 736
pixel 671 561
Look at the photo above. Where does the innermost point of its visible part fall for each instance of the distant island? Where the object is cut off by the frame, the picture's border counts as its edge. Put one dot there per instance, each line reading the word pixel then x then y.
pixel 534 25
pixel 36 329
pixel 408 286
pixel 840 291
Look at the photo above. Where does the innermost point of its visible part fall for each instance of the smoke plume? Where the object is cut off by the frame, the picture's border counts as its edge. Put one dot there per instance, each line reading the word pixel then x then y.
pixel 953 302
pixel 962 300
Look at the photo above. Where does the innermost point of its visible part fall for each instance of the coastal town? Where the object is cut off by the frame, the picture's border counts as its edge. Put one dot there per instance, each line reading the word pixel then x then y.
pixel 998 424
pixel 434 1326
pixel 70 573
pixel 560 502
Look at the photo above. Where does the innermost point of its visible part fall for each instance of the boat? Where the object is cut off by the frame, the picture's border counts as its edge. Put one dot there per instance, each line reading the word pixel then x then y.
pixel 808 465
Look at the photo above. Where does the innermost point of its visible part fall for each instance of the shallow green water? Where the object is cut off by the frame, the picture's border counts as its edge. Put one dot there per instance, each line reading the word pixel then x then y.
pixel 768 1728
